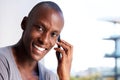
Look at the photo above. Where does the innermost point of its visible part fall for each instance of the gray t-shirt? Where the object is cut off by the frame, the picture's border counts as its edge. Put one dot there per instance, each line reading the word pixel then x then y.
pixel 9 70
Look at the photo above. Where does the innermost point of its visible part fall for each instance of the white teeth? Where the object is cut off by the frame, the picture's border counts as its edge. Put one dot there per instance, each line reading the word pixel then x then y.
pixel 39 48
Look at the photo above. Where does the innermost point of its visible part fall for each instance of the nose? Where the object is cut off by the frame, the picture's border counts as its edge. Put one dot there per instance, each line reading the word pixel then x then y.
pixel 44 39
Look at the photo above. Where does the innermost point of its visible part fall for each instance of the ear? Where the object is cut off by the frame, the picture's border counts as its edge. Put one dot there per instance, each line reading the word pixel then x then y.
pixel 24 23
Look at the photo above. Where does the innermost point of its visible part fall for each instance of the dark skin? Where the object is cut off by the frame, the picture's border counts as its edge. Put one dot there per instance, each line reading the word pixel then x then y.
pixel 40 33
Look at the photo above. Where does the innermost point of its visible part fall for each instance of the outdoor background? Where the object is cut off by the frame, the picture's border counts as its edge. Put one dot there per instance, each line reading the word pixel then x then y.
pixel 86 24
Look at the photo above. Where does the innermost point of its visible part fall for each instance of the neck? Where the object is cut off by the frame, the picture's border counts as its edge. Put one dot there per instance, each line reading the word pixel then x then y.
pixel 22 58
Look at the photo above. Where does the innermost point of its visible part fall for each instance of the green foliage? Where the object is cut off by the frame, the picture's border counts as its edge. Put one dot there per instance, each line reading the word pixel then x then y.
pixel 95 76
pixel 74 78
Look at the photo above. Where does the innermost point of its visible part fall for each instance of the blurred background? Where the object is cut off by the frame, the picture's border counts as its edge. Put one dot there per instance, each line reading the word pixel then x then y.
pixel 91 26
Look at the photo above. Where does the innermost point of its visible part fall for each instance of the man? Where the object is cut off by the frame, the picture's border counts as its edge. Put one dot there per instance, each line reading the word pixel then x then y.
pixel 41 29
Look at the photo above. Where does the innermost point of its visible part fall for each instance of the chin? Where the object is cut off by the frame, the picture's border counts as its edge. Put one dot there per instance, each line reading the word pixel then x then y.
pixel 36 57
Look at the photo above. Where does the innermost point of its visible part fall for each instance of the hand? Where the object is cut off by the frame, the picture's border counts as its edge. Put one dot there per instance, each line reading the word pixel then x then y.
pixel 64 63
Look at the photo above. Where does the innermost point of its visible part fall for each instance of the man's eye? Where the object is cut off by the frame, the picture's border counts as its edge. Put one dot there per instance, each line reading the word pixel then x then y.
pixel 40 28
pixel 54 34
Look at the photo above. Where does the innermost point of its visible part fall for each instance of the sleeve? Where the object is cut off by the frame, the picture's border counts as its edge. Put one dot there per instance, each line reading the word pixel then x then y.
pixel 4 68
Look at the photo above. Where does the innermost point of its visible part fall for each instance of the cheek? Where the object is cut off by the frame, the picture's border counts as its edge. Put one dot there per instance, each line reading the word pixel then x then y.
pixel 26 36
pixel 29 36
pixel 53 42
pixel 34 34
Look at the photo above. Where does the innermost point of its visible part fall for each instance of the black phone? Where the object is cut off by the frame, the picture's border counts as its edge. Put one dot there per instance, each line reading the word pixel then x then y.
pixel 58 53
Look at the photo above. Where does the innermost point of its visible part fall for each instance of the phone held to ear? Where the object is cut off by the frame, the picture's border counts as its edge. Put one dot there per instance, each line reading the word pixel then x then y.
pixel 58 53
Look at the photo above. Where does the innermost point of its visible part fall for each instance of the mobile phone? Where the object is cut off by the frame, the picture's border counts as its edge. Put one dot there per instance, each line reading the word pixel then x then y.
pixel 58 53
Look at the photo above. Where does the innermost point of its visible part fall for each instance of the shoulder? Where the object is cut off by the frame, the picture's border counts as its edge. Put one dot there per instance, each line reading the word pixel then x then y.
pixel 8 68
pixel 46 73
pixel 5 58
pixel 4 49
pixel 4 54
pixel 4 64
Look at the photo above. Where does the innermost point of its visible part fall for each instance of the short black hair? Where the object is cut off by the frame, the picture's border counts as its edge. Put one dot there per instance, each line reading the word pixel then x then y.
pixel 49 4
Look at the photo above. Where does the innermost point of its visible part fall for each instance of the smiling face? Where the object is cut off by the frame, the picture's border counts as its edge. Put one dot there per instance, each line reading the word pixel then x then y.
pixel 41 31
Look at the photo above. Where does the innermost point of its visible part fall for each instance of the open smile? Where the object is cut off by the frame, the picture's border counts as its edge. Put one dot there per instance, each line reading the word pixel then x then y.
pixel 39 49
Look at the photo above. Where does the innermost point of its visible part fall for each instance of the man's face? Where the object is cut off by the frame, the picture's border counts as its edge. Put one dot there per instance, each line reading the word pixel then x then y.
pixel 41 32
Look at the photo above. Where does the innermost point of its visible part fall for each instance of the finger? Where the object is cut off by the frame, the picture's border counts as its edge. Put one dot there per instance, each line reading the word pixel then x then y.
pixel 66 43
pixel 59 51
pixel 66 46
pixel 62 45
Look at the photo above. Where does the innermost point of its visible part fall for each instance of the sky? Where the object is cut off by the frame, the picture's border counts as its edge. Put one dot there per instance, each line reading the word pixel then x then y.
pixel 85 27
